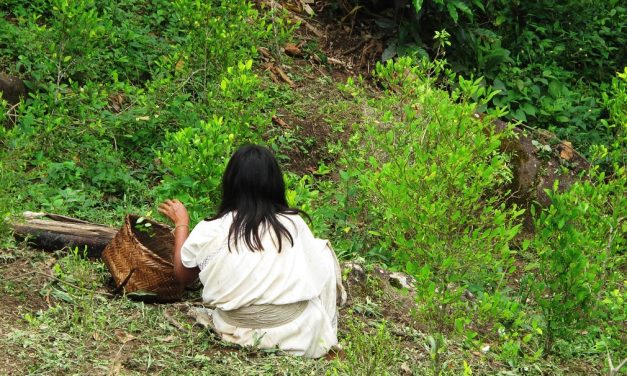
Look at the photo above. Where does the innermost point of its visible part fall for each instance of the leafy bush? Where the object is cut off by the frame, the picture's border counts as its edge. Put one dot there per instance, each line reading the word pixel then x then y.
pixel 205 29
pixel 579 245
pixel 196 158
pixel 123 80
pixel 430 174
pixel 549 59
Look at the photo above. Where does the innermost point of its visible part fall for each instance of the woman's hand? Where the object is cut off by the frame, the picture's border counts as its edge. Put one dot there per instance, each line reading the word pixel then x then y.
pixel 175 210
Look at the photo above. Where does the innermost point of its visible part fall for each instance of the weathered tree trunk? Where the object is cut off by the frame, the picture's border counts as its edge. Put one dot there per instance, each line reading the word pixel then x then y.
pixel 60 232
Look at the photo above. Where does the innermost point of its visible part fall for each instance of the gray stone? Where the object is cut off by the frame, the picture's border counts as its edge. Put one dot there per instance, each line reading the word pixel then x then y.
pixel 12 89
pixel 401 280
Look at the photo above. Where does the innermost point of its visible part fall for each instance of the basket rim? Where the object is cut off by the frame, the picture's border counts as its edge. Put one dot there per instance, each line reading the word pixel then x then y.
pixel 128 225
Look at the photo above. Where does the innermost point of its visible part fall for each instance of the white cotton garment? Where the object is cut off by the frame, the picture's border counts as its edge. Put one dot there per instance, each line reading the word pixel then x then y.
pixel 307 271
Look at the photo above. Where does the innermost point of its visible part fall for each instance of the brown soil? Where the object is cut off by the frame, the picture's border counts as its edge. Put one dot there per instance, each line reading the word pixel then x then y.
pixel 19 295
pixel 535 170
pixel 351 39
pixel 310 118
pixel 315 132
pixel 374 285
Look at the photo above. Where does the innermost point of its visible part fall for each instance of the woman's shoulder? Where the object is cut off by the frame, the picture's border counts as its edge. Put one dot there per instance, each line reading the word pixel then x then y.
pixel 212 226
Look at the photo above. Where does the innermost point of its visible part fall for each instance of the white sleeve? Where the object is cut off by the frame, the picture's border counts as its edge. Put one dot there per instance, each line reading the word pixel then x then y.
pixel 201 243
pixel 193 246
pixel 188 254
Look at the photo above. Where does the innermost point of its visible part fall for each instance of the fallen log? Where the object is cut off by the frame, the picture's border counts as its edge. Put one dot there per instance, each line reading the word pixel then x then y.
pixel 60 232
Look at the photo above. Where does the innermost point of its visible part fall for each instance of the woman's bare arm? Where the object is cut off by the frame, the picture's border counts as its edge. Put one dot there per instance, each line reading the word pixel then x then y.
pixel 175 210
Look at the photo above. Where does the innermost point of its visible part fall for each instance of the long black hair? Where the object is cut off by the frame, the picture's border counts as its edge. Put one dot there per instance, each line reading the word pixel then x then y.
pixel 254 190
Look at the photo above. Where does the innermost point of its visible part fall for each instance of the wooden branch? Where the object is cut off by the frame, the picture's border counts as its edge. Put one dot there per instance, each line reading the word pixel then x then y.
pixel 56 217
pixel 273 4
pixel 62 232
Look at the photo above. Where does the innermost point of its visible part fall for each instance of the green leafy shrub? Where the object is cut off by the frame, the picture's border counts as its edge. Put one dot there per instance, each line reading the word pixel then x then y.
pixel 120 79
pixel 205 28
pixel 549 59
pixel 615 102
pixel 196 157
pixel 515 331
pixel 430 174
pixel 579 245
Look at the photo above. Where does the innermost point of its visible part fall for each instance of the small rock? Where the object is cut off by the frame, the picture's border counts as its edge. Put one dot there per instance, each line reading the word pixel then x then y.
pixel 293 50
pixel 12 89
pixel 356 272
pixel 566 150
pixel 467 295
pixel 401 280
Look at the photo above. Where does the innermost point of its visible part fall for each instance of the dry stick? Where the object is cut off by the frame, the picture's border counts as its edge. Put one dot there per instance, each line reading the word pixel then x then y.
pixel 614 370
pixel 353 49
pixel 352 12
pixel 180 87
pixel 19 276
pixel 311 28
pixel 12 108
pixel 172 321
pixel 338 62
pixel 284 76
pixel 55 217
pixel 73 285
pixel 116 362
pixel 280 122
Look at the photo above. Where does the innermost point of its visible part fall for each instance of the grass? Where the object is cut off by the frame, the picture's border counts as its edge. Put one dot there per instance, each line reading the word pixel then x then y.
pixel 57 318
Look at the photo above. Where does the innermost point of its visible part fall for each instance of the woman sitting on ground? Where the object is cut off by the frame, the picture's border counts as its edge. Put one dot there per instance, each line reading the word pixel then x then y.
pixel 272 283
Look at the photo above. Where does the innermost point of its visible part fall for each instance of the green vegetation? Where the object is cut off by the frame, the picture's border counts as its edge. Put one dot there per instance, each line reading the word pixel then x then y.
pixel 134 101
pixel 552 61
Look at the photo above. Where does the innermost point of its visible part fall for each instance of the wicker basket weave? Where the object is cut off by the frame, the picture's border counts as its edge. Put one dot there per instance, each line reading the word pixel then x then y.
pixel 140 260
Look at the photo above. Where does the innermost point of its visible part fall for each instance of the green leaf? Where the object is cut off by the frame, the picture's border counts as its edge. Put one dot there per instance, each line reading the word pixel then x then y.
pixel 555 89
pixel 459 325
pixel 418 5
pixel 529 109
pixel 463 7
pixel 452 11
pixel 519 114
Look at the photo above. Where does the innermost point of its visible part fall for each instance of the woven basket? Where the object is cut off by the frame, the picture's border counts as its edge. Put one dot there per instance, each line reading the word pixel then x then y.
pixel 140 260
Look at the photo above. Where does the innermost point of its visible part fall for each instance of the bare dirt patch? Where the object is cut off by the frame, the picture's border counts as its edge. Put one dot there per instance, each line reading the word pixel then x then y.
pixel 19 294
pixel 315 114
pixel 350 35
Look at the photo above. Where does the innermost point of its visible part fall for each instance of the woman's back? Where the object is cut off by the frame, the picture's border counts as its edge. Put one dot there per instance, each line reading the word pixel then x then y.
pixel 272 283
pixel 240 278
pixel 243 277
